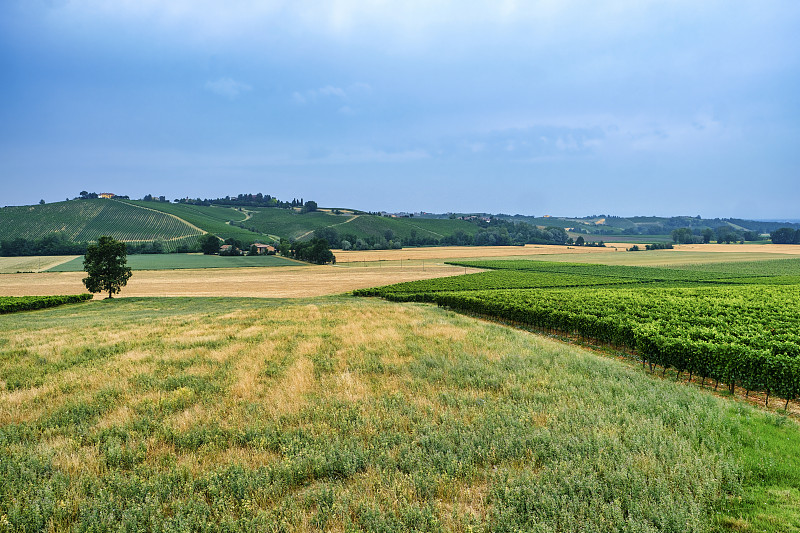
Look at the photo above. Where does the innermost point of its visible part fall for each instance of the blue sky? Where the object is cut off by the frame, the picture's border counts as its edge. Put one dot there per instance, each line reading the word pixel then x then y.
pixel 535 107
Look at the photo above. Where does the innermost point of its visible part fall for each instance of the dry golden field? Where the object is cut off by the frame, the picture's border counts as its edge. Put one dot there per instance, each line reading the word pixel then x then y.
pixel 273 282
pixel 356 269
pixel 463 252
pixel 12 265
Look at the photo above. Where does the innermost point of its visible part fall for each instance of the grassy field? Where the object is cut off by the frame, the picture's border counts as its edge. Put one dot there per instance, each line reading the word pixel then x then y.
pixel 341 414
pixel 184 261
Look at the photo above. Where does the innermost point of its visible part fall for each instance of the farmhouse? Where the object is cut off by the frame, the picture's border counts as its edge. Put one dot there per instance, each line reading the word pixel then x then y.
pixel 264 249
pixel 106 195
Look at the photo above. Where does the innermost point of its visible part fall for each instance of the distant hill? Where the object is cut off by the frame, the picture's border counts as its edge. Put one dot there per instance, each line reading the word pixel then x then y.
pixel 177 226
pixel 610 225
pixel 86 220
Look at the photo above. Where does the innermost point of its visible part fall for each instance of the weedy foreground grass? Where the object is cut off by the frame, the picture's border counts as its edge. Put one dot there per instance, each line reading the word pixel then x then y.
pixel 342 414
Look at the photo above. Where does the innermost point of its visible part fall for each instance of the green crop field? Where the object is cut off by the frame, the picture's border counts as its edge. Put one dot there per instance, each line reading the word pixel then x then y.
pixel 337 414
pixel 184 261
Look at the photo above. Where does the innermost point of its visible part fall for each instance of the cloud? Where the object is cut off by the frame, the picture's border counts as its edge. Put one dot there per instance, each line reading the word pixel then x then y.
pixel 228 87
pixel 330 93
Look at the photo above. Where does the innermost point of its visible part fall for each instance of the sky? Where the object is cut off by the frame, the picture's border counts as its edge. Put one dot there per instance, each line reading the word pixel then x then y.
pixel 560 107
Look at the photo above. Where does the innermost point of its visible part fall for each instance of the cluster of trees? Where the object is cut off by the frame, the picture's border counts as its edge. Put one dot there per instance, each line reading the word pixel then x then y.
pixel 348 241
pixel 494 233
pixel 314 251
pixel 722 234
pixel 58 244
pixel 580 241
pixel 654 246
pixel 785 236
pixel 86 195
pixel 499 232
pixel 54 244
pixel 151 198
pixel 251 200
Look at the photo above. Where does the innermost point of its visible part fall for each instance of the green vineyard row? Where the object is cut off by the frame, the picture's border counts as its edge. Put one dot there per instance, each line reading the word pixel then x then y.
pixel 498 279
pixel 740 331
pixel 13 304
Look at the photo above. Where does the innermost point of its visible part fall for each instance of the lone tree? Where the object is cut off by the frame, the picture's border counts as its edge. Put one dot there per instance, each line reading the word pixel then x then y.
pixel 105 262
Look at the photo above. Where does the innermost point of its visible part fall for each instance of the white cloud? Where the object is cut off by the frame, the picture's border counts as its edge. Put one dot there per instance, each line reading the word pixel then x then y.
pixel 331 93
pixel 228 87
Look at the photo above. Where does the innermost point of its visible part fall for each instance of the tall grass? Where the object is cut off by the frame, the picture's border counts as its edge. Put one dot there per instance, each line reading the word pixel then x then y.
pixel 344 415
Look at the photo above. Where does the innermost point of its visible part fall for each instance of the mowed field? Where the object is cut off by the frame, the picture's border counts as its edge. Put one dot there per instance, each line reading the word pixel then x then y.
pixel 612 253
pixel 173 275
pixel 270 282
pixel 343 414
pixel 13 265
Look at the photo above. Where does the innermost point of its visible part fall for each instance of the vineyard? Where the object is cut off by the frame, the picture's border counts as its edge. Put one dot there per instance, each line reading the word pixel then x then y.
pixel 714 322
pixel 213 219
pixel 295 225
pixel 14 304
pixel 86 220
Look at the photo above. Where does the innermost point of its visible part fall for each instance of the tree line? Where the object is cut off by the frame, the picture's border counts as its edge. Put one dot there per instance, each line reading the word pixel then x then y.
pixel 497 232
pixel 251 200
pixel 785 236
pixel 722 234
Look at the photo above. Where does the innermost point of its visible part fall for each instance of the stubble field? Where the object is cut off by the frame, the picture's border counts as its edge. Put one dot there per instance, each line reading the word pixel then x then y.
pixel 271 282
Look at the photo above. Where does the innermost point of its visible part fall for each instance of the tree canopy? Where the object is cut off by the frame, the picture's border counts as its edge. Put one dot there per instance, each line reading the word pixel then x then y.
pixel 106 266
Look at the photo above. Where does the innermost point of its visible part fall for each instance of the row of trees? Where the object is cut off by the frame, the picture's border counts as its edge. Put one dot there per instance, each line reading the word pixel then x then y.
pixel 53 244
pixel 59 244
pixel 785 236
pixel 495 233
pixel 251 200
pixel 722 234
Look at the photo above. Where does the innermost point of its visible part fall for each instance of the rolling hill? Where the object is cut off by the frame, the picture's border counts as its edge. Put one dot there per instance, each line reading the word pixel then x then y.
pixel 179 225
pixel 86 220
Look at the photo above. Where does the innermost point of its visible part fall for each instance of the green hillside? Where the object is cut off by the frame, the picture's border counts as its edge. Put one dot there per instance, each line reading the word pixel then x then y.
pixel 212 219
pixel 180 224
pixel 86 220
pixel 292 224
